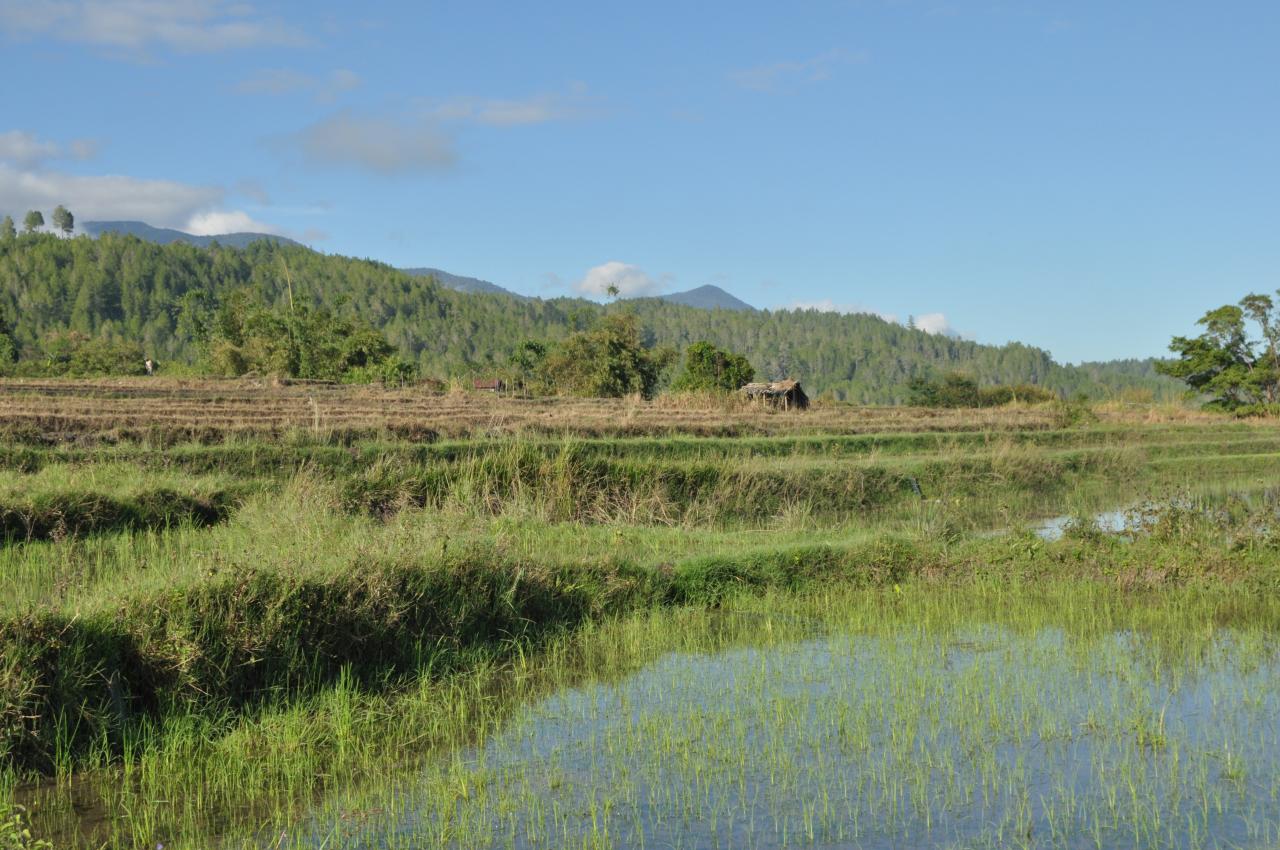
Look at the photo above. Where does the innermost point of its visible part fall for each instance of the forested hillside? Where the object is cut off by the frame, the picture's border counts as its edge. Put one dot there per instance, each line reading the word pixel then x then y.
pixel 120 287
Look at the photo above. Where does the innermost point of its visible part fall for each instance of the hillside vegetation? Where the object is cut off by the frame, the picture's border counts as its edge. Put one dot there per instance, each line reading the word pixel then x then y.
pixel 122 288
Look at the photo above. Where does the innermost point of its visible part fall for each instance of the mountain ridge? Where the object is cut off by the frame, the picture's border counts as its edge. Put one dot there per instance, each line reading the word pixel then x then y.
pixel 169 235
pixel 707 297
pixel 461 283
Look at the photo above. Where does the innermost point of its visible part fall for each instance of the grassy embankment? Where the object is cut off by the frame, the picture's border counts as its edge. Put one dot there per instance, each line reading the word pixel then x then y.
pixel 332 573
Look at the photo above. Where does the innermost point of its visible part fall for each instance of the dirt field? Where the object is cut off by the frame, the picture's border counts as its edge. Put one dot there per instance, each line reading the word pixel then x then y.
pixel 68 410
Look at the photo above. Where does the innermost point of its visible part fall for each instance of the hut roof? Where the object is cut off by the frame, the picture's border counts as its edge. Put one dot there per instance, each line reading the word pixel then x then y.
pixel 771 389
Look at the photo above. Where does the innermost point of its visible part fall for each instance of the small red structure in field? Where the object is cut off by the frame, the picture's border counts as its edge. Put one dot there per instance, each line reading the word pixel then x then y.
pixel 496 386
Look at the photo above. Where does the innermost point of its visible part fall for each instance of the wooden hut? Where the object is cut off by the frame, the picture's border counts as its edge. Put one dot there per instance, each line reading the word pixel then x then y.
pixel 496 386
pixel 788 394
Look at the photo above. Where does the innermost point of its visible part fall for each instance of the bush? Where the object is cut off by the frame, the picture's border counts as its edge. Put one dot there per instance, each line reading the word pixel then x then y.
pixel 709 368
pixel 393 372
pixel 958 390
pixel 72 353
pixel 609 361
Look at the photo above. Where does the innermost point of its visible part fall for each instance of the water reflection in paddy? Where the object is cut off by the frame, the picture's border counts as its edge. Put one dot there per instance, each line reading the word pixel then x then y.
pixel 979 737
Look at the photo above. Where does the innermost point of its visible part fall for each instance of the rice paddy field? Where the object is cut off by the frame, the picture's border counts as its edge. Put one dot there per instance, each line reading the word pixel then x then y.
pixel 237 615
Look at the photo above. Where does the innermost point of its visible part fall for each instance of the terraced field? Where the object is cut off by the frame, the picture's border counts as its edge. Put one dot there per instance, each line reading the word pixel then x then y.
pixel 242 615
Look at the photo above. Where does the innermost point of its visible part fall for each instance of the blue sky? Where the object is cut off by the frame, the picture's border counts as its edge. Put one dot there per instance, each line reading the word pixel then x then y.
pixel 1088 177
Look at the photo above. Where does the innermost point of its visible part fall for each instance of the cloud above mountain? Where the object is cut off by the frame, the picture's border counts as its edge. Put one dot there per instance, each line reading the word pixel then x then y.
pixel 31 180
pixel 936 323
pixel 631 281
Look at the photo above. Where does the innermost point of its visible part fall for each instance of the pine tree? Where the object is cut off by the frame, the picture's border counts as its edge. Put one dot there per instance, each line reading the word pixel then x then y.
pixel 63 220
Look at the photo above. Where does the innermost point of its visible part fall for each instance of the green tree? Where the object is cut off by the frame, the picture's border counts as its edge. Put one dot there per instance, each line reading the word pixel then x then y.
pixel 709 368
pixel 242 334
pixel 33 221
pixel 608 361
pixel 7 230
pixel 526 365
pixel 8 345
pixel 1223 362
pixel 63 220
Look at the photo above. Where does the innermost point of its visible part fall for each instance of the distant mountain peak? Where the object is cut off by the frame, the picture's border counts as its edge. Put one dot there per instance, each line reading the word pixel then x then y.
pixel 461 283
pixel 167 235
pixel 707 297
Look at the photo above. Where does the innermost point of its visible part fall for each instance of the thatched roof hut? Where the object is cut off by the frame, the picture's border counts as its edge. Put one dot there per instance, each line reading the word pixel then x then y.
pixel 787 394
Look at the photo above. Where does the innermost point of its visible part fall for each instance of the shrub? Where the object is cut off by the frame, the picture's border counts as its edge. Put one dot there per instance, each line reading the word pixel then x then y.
pixel 709 368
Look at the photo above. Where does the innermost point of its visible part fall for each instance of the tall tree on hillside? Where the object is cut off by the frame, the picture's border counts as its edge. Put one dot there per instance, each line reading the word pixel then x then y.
pixel 64 220
pixel 1223 362
pixel 33 221
pixel 7 230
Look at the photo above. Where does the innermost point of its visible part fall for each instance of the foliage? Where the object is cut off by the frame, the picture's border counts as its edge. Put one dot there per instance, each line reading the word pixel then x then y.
pixel 16 835
pixel 394 371
pixel 243 335
pixel 709 368
pixel 1224 363
pixel 525 366
pixel 608 361
pixel 8 345
pixel 120 287
pixel 33 221
pixel 7 230
pixel 73 354
pixel 958 390
pixel 63 220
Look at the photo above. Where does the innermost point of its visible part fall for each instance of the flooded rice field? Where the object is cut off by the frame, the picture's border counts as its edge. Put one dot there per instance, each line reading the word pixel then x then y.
pixel 979 736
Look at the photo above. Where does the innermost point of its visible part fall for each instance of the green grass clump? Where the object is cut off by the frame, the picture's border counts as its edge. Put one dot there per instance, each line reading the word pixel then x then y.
pixel 61 501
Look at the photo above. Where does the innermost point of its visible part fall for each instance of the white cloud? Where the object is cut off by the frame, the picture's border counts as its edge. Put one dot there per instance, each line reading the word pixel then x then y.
pixel 215 223
pixel 284 81
pixel 27 150
pixel 631 281
pixel 159 202
pixel 419 139
pixel 536 109
pixel 826 305
pixel 935 323
pixel 380 144
pixel 783 76
pixel 112 197
pixel 83 148
pixel 132 25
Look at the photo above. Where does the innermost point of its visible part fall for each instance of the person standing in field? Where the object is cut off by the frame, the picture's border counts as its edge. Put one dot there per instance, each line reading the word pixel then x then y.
pixel 151 366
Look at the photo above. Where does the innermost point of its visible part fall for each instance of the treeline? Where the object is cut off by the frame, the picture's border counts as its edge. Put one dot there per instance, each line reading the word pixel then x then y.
pixel 121 289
